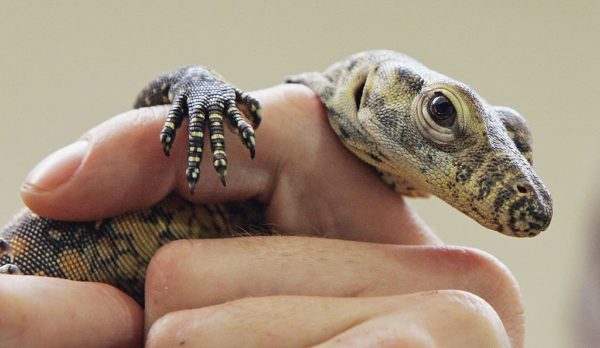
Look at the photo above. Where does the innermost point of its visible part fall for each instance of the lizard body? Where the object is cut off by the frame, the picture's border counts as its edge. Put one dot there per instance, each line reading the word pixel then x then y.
pixel 422 131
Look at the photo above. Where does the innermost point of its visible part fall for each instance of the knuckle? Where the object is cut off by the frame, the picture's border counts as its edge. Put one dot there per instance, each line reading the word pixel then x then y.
pixel 193 327
pixel 460 303
pixel 465 302
pixel 479 272
pixel 478 267
pixel 166 331
pixel 482 274
pixel 165 268
pixel 174 272
pixel 472 312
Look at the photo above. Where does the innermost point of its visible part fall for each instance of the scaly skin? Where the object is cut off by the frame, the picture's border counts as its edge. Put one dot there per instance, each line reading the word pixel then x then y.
pixel 481 164
pixel 424 132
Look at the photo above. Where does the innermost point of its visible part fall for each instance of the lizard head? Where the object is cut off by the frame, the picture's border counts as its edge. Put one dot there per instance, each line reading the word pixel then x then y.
pixel 428 133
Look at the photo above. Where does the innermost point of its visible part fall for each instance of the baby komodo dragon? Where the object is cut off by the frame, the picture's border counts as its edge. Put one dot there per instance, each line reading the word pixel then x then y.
pixel 423 132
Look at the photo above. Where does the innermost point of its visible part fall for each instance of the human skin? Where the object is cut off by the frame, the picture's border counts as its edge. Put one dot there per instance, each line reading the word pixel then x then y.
pixel 379 277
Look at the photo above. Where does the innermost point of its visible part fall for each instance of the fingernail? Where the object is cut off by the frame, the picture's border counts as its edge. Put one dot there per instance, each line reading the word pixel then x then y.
pixel 57 168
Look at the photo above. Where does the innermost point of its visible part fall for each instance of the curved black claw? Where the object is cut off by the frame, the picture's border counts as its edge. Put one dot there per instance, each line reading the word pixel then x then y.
pixel 207 100
pixel 174 118
pixel 197 117
pixel 221 167
pixel 217 140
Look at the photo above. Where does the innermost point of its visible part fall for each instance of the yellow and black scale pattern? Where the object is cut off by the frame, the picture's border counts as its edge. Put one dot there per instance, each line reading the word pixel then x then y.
pixel 117 250
pixel 424 132
pixel 200 93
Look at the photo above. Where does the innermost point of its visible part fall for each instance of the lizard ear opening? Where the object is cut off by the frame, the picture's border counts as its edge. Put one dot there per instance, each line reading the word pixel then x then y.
pixel 517 129
pixel 358 93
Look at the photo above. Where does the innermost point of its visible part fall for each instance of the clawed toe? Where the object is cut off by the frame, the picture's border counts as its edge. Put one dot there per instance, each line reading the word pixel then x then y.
pixel 245 130
pixel 250 105
pixel 173 121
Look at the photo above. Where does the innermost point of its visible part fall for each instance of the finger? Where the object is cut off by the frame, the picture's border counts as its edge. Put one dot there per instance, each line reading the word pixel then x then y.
pixel 445 318
pixel 399 321
pixel 193 274
pixel 109 171
pixel 94 315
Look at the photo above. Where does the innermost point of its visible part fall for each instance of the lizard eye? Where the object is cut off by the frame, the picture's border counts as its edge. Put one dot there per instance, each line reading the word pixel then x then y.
pixel 441 110
pixel 439 115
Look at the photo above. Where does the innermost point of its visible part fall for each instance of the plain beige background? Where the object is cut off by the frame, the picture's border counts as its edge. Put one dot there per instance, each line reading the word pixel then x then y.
pixel 68 65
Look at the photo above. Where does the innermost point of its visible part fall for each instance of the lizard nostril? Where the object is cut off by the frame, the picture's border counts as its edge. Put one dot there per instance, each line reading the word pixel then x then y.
pixel 522 189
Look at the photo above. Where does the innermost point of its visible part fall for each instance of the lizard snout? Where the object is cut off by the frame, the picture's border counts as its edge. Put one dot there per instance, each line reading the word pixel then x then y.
pixel 530 210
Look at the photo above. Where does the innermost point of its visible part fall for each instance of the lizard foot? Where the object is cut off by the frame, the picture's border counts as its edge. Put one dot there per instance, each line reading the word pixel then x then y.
pixel 204 98
pixel 10 269
pixel 5 249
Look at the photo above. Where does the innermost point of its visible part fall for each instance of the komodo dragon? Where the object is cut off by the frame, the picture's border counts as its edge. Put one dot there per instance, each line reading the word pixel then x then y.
pixel 422 131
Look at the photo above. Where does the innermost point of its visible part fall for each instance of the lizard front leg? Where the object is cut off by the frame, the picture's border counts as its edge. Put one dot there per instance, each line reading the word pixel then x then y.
pixel 202 96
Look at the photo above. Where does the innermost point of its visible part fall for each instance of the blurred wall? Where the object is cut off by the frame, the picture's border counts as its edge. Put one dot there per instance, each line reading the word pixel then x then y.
pixel 67 65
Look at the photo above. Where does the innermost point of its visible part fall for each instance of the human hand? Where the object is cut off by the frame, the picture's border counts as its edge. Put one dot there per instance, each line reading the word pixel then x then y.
pixel 301 170
pixel 299 292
